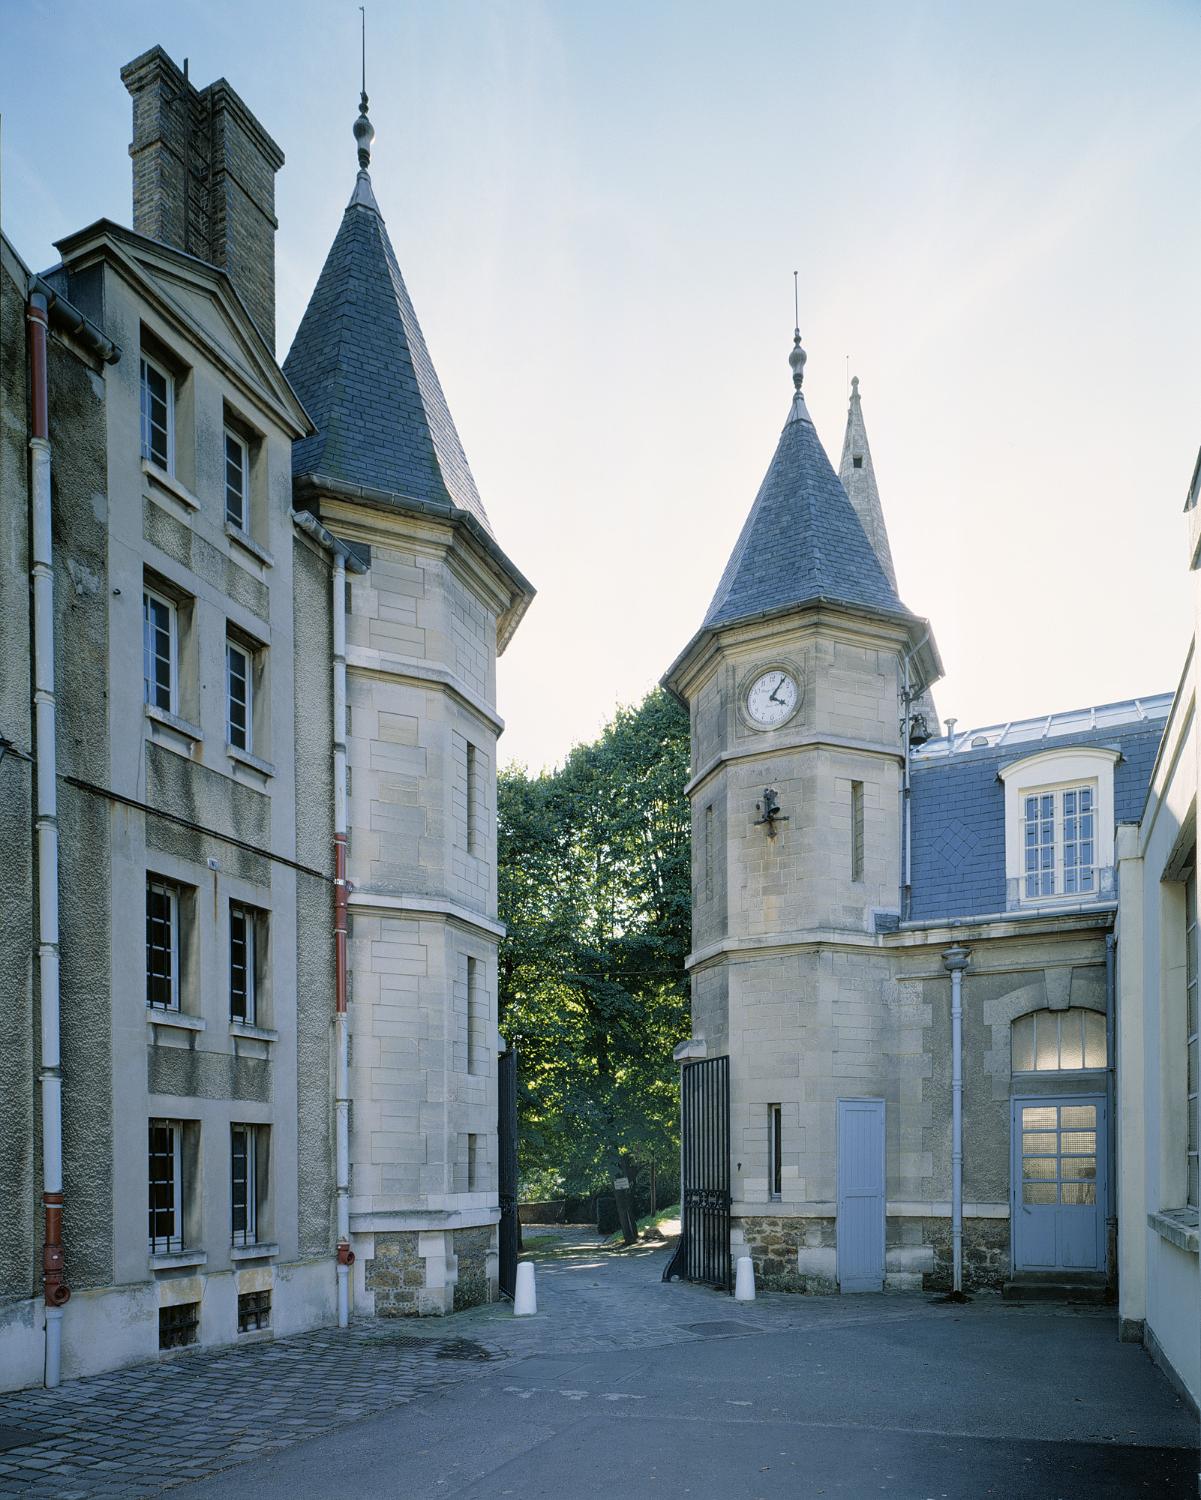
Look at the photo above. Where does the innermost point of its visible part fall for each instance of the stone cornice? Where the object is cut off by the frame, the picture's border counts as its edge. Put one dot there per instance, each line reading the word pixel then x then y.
pixel 767 746
pixel 369 662
pixel 438 907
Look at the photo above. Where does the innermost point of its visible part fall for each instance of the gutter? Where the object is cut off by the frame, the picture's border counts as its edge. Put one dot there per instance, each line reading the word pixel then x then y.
pixel 67 318
pixel 55 1291
pixel 342 559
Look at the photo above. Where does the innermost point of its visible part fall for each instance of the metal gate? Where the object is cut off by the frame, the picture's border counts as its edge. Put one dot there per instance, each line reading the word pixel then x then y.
pixel 703 1253
pixel 506 1131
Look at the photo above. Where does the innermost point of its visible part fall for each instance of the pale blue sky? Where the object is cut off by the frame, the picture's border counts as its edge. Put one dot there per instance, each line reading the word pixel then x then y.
pixel 598 209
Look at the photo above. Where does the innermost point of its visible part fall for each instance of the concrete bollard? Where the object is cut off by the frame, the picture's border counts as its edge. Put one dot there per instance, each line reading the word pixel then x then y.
pixel 525 1296
pixel 744 1279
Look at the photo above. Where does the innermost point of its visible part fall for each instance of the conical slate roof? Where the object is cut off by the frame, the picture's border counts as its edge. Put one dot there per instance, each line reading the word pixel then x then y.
pixel 360 365
pixel 802 540
pixel 859 480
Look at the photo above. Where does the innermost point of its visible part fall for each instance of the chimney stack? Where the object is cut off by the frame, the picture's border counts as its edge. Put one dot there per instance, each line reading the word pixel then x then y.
pixel 204 177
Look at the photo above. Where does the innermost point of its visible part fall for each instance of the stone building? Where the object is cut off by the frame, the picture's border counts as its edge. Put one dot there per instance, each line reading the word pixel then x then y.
pixel 1158 960
pixel 203 1122
pixel 437 601
pixel 870 904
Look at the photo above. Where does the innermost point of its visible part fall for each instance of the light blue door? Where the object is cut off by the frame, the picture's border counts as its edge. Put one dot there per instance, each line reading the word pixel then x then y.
pixel 861 1195
pixel 1058 1191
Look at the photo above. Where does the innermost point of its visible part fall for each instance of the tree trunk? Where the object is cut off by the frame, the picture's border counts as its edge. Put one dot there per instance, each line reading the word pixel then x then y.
pixel 622 1197
pixel 654 1192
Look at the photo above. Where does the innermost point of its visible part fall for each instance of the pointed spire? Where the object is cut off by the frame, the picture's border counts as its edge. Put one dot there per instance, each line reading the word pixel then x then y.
pixel 859 480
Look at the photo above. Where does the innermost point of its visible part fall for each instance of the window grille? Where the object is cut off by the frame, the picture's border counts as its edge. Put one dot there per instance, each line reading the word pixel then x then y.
pixel 242 1184
pixel 1191 1031
pixel 254 1311
pixel 708 856
pixel 239 693
pixel 166 1186
pixel 237 476
pixel 162 945
pixel 242 964
pixel 158 412
pixel 159 638
pixel 775 1136
pixel 177 1326
pixel 1059 835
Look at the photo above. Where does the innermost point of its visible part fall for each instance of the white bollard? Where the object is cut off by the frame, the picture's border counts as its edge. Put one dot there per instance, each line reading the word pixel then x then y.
pixel 744 1279
pixel 525 1296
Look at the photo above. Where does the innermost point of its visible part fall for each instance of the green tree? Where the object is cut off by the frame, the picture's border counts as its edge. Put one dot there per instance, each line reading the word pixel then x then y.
pixel 595 889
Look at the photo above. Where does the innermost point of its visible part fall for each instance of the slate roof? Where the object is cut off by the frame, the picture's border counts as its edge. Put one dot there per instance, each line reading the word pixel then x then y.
pixel 802 540
pixel 858 477
pixel 958 803
pixel 360 365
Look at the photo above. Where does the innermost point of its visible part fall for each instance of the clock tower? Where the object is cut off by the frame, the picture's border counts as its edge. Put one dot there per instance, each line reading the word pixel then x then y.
pixel 797 683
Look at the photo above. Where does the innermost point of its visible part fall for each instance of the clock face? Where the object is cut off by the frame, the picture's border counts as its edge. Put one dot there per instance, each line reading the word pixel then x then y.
pixel 772 698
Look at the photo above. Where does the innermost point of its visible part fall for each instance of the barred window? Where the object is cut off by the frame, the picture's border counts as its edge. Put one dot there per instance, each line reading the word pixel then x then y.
pixel 856 830
pixel 775 1153
pixel 242 1184
pixel 237 479
pixel 162 944
pixel 158 416
pixel 166 1188
pixel 239 697
pixel 1058 1041
pixel 160 651
pixel 242 958
pixel 254 1311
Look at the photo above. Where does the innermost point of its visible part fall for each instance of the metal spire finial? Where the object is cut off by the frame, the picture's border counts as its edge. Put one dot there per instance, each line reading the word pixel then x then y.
pixel 798 356
pixel 364 130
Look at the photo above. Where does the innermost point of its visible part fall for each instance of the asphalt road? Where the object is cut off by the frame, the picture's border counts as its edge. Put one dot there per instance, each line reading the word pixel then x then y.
pixel 895 1397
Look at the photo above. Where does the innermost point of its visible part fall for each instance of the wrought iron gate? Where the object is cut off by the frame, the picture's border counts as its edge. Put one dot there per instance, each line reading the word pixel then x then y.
pixel 506 1130
pixel 703 1253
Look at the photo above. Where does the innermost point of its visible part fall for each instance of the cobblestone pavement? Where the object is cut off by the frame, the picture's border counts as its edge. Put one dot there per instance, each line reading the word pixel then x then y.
pixel 150 1429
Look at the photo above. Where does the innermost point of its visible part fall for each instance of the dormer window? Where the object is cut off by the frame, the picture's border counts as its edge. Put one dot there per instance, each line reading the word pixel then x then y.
pixel 1060 841
pixel 1059 827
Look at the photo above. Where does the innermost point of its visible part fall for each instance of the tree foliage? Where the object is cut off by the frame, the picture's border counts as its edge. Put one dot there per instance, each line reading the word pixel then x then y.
pixel 595 889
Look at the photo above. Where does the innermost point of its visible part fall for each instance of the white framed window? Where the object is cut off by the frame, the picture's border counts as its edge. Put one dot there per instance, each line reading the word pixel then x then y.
pixel 1059 841
pixel 775 1152
pixel 237 480
pixel 165 1187
pixel 239 696
pixel 1059 827
pixel 1191 1031
pixel 1058 1041
pixel 158 415
pixel 243 941
pixel 243 1187
pixel 162 944
pixel 160 652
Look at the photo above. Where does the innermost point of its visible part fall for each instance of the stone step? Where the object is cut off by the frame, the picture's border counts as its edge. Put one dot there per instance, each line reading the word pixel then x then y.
pixel 1062 1287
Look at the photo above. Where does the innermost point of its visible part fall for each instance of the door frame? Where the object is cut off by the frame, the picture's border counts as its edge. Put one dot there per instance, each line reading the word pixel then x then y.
pixel 1104 1186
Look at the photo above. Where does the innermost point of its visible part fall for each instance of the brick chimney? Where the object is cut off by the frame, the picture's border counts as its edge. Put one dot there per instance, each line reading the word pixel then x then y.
pixel 204 177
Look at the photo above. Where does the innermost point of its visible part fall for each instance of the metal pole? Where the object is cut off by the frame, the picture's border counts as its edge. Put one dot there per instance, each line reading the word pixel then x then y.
pixel 345 1256
pixel 955 959
pixel 1111 1144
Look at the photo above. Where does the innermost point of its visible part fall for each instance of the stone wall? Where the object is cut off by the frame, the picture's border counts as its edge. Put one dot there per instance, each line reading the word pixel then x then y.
pixel 471 1251
pixel 396 1275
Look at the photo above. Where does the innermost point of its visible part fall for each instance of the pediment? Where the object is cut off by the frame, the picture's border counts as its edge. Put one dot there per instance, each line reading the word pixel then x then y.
pixel 201 301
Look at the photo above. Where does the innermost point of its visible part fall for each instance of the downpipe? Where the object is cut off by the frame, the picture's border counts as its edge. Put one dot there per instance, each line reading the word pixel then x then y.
pixel 55 1291
pixel 955 959
pixel 345 1256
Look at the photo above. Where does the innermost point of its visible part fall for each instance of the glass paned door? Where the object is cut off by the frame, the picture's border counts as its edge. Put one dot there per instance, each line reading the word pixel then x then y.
pixel 1059 1185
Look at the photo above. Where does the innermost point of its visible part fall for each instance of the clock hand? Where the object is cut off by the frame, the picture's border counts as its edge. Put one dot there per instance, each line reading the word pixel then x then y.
pixel 773 698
